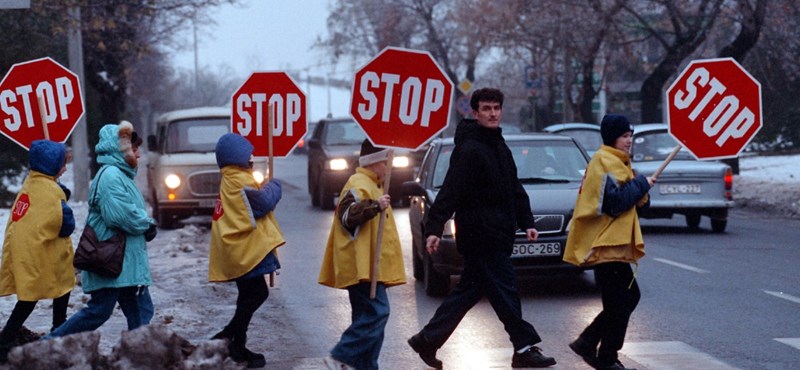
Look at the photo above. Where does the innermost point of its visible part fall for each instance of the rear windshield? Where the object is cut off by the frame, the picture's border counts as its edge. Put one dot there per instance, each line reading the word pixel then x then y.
pixel 195 135
pixel 656 146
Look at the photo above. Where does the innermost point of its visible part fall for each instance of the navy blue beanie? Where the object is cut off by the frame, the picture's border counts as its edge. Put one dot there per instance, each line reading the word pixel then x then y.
pixel 47 156
pixel 233 149
pixel 614 126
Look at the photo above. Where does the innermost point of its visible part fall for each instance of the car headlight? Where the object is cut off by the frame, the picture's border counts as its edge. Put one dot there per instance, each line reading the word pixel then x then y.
pixel 449 229
pixel 172 181
pixel 337 164
pixel 258 176
pixel 400 162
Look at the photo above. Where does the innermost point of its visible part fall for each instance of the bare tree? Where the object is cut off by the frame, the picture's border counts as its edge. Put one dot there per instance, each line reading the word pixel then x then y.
pixel 686 26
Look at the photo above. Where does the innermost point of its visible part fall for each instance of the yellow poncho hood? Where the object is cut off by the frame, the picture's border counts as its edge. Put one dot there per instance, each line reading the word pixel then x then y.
pixel 37 263
pixel 238 240
pixel 348 259
pixel 595 237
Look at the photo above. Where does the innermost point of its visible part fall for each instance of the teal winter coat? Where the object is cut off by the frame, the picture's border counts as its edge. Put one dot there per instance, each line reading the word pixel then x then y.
pixel 117 204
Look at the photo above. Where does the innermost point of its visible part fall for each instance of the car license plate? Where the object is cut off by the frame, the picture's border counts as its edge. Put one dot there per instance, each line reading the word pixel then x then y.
pixel 679 188
pixel 536 249
pixel 208 203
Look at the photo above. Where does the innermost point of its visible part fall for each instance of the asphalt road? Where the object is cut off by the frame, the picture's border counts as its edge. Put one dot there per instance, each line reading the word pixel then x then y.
pixel 709 301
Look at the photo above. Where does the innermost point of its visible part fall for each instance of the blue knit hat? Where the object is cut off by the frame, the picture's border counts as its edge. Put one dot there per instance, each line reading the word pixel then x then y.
pixel 614 126
pixel 233 149
pixel 47 156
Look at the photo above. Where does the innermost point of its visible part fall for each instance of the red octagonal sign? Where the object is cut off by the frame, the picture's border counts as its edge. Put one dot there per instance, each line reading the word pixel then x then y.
pixel 401 98
pixel 714 108
pixel 251 103
pixel 20 93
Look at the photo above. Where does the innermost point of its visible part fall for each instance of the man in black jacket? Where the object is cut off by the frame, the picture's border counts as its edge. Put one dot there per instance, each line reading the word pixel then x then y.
pixel 489 202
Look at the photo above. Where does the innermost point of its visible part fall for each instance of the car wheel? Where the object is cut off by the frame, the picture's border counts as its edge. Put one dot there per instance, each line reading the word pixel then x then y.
pixel 324 196
pixel 416 260
pixel 718 225
pixel 436 283
pixel 693 221
pixel 164 220
pixel 313 193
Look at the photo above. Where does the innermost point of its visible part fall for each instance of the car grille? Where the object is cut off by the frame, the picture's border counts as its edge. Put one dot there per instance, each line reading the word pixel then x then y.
pixel 549 224
pixel 205 183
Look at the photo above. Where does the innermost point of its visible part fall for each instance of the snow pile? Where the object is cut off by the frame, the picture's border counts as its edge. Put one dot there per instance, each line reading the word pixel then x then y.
pixel 769 184
pixel 149 347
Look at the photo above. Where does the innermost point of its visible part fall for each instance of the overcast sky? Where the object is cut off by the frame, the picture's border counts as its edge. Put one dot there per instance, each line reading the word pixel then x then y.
pixel 269 35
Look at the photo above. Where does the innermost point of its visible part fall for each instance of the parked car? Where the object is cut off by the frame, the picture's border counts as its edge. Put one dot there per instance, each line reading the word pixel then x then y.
pixel 587 134
pixel 333 151
pixel 550 168
pixel 182 174
pixel 686 186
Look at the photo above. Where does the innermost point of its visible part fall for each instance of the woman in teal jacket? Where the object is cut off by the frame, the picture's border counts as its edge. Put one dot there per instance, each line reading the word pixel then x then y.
pixel 116 204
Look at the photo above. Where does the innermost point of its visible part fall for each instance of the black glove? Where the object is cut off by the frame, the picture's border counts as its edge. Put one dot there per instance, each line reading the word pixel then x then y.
pixel 150 234
pixel 66 190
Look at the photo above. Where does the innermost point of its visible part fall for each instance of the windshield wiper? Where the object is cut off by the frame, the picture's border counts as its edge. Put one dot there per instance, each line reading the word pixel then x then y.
pixel 542 180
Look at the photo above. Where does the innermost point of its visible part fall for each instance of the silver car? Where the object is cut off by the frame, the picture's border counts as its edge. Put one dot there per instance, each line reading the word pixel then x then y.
pixel 182 173
pixel 586 134
pixel 550 168
pixel 687 186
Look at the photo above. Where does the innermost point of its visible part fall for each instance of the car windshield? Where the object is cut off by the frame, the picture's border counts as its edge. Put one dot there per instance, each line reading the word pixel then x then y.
pixel 656 146
pixel 537 162
pixel 198 135
pixel 343 133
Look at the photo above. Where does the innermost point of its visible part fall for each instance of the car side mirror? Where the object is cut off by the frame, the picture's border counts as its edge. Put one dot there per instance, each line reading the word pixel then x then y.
pixel 314 143
pixel 413 188
pixel 152 144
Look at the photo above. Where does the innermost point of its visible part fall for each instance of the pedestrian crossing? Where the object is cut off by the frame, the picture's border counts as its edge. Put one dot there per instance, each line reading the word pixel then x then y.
pixel 671 355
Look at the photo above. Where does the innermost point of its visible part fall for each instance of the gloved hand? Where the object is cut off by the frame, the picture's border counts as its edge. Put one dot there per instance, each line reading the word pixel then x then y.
pixel 150 234
pixel 66 190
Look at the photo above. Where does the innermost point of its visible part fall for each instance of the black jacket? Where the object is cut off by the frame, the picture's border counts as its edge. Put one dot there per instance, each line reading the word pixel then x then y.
pixel 482 188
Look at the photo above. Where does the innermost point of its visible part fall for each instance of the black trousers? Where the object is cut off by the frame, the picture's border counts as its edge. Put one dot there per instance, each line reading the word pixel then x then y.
pixel 23 309
pixel 252 294
pixel 619 300
pixel 489 274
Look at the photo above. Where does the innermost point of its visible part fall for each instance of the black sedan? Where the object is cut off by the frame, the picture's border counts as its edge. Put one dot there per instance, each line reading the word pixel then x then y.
pixel 333 150
pixel 550 168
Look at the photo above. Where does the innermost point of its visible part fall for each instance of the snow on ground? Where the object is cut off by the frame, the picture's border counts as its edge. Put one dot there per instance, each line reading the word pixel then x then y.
pixel 192 307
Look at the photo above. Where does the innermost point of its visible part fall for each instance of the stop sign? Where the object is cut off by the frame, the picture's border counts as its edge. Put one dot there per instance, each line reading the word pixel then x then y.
pixel 251 103
pixel 20 90
pixel 714 108
pixel 401 98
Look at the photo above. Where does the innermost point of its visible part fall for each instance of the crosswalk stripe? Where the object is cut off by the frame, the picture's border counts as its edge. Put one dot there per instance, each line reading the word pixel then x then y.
pixel 681 265
pixel 794 342
pixel 671 355
pixel 783 295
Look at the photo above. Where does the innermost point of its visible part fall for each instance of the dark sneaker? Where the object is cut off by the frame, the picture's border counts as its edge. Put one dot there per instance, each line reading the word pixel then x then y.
pixel 25 336
pixel 425 350
pixel 615 366
pixel 582 348
pixel 240 354
pixel 533 357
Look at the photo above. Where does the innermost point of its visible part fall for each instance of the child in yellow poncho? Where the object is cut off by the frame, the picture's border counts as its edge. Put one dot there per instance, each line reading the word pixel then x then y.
pixel 605 234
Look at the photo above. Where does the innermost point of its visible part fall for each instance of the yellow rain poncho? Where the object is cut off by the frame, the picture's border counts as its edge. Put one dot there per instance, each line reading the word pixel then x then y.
pixel 239 241
pixel 348 259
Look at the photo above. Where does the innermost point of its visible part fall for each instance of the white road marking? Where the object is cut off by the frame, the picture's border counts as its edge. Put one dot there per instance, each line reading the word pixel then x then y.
pixel 671 355
pixel 783 295
pixel 794 342
pixel 681 265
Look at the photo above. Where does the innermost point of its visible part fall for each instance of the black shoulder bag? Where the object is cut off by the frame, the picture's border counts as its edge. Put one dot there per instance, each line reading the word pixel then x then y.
pixel 100 257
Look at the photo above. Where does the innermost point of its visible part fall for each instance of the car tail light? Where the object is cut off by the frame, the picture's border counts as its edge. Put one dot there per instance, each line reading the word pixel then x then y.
pixel 729 184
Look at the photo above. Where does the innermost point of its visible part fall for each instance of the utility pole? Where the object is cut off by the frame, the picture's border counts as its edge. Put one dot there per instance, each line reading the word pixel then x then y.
pixel 80 144
pixel 194 29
